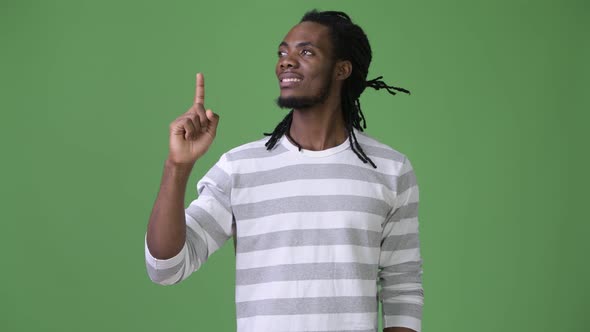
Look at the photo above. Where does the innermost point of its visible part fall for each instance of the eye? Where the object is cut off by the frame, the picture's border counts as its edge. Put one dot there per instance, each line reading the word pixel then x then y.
pixel 281 53
pixel 306 52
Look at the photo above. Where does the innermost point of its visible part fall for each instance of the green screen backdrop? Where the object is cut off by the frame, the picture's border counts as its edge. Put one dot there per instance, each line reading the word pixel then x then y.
pixel 495 128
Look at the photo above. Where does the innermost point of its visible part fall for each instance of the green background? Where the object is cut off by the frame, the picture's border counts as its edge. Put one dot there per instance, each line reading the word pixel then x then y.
pixel 495 128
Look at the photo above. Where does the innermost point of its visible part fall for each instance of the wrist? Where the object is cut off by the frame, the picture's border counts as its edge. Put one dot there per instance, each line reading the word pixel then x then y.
pixel 178 169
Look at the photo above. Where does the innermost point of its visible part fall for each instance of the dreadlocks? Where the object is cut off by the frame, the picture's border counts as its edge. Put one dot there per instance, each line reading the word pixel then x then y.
pixel 350 43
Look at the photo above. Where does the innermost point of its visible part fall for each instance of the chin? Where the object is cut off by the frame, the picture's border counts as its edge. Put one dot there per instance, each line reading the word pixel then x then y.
pixel 297 102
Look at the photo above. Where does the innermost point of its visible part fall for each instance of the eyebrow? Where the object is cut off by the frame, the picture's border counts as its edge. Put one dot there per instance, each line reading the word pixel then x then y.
pixel 298 44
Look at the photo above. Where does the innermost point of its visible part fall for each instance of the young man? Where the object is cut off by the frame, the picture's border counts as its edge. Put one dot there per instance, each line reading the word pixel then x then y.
pixel 321 213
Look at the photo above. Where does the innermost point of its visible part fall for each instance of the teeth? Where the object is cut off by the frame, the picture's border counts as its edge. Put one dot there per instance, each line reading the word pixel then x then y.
pixel 291 80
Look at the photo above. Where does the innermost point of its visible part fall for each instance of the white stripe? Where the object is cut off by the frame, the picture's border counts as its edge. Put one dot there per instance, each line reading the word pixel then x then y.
pixel 310 220
pixel 306 288
pixel 402 321
pixel 315 187
pixel 399 256
pixel 315 322
pixel 410 195
pixel 406 286
pixel 307 254
pixel 289 159
pixel 224 164
pixel 415 299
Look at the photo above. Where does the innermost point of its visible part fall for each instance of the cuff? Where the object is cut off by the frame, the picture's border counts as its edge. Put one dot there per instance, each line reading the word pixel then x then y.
pixel 402 321
pixel 164 263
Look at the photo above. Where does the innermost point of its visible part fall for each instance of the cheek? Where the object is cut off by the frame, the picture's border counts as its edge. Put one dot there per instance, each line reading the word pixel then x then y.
pixel 320 79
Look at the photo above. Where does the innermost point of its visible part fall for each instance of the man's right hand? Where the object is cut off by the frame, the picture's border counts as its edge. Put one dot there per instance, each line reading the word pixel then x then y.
pixel 192 133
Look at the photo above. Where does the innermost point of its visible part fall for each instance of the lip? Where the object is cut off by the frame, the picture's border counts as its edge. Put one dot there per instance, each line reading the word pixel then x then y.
pixel 289 74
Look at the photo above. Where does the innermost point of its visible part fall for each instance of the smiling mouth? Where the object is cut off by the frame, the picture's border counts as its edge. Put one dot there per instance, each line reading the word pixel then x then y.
pixel 287 80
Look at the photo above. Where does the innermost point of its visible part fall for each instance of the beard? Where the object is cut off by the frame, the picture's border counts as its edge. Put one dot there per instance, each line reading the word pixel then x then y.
pixel 304 102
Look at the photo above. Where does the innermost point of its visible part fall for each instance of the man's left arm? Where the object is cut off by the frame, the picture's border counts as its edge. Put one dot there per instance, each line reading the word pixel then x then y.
pixel 400 264
pixel 398 329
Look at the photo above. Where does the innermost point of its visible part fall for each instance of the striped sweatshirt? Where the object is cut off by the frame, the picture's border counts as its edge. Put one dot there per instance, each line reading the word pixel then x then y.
pixel 320 237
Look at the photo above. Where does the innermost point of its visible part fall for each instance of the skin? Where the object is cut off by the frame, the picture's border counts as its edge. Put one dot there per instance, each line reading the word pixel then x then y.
pixel 307 51
pixel 191 135
pixel 398 329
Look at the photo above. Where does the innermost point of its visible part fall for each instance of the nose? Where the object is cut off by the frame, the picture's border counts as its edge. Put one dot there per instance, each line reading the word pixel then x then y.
pixel 287 62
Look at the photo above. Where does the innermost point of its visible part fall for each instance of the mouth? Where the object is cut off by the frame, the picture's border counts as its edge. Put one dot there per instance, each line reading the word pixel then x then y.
pixel 289 82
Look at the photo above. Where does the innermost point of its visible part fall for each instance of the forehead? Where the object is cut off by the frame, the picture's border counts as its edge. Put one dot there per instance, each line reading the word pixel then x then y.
pixel 312 32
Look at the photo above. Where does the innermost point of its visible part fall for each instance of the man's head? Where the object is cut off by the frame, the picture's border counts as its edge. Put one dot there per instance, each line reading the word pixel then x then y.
pixel 326 56
pixel 320 55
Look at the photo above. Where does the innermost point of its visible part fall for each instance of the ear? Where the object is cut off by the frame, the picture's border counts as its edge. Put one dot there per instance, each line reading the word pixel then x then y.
pixel 343 69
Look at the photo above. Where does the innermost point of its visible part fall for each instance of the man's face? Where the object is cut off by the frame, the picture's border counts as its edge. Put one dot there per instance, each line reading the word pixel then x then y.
pixel 305 66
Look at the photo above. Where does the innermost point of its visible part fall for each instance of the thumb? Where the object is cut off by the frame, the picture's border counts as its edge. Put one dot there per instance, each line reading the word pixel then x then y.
pixel 213 120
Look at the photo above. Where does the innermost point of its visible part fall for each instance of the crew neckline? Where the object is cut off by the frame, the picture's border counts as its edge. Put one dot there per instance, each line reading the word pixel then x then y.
pixel 319 153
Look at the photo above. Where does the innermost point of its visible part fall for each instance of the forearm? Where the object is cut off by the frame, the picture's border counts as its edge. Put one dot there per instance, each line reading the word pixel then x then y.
pixel 398 329
pixel 166 233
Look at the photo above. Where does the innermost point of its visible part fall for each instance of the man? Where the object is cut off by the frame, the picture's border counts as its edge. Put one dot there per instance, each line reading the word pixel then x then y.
pixel 321 213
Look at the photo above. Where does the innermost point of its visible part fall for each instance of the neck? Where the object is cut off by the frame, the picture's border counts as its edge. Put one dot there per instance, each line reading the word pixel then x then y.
pixel 319 128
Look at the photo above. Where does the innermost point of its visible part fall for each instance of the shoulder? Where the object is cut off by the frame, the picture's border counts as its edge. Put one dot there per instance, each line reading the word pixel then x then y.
pixel 257 143
pixel 374 148
pixel 252 149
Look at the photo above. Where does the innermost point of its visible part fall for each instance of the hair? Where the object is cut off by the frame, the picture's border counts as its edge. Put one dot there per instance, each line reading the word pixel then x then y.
pixel 349 43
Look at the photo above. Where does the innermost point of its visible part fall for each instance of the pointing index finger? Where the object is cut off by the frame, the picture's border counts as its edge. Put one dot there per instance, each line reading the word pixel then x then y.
pixel 200 92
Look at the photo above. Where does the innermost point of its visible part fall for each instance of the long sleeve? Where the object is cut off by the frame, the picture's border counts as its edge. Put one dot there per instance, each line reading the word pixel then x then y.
pixel 400 264
pixel 209 221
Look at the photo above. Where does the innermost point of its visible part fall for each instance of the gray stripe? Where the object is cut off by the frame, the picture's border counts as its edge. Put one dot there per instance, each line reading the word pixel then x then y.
pixel 391 293
pixel 402 309
pixel 409 210
pixel 314 171
pixel 220 178
pixel 159 275
pixel 403 267
pixel 375 151
pixel 257 152
pixel 405 181
pixel 310 237
pixel 307 305
pixel 311 204
pixel 198 246
pixel 208 223
pixel 401 242
pixel 307 271
pixel 371 330
pixel 405 278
